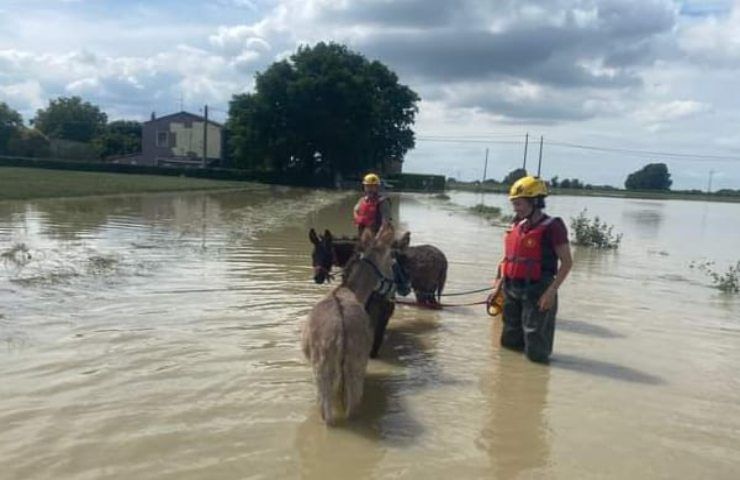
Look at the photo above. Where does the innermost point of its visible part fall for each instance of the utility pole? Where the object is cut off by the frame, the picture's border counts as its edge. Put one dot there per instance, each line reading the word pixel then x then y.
pixel 539 163
pixel 526 144
pixel 709 186
pixel 485 168
pixel 205 137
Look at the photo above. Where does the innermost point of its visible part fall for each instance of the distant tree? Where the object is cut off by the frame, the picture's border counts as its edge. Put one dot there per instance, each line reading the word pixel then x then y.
pixel 326 108
pixel 70 118
pixel 121 137
pixel 514 175
pixel 572 183
pixel 554 181
pixel 29 142
pixel 654 176
pixel 11 123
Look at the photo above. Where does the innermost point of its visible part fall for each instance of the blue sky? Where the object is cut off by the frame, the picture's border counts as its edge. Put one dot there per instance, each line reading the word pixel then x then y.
pixel 627 75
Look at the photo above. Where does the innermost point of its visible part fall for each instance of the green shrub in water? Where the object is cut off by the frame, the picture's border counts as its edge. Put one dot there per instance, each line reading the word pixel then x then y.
pixel 18 254
pixel 507 219
pixel 486 211
pixel 728 282
pixel 593 232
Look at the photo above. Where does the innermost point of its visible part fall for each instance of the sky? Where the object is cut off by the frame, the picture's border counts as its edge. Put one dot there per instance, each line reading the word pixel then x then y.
pixel 610 85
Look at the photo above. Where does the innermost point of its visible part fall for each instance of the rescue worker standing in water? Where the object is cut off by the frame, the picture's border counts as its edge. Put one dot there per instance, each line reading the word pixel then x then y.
pixel 372 210
pixel 536 262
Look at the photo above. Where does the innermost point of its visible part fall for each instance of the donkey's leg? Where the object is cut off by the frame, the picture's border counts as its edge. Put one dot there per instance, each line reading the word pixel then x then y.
pixel 384 311
pixel 441 283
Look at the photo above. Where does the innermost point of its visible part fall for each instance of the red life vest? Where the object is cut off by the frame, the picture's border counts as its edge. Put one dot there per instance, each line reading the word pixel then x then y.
pixel 524 251
pixel 368 213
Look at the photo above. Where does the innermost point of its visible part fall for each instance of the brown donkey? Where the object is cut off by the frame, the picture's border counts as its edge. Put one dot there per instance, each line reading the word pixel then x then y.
pixel 337 335
pixel 426 267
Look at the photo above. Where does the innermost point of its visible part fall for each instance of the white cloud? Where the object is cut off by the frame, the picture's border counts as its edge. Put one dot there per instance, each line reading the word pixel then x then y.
pixel 669 111
pixel 714 40
pixel 25 96
pixel 612 69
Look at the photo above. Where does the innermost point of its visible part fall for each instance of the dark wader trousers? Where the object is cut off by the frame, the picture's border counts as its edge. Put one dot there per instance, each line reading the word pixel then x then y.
pixel 525 326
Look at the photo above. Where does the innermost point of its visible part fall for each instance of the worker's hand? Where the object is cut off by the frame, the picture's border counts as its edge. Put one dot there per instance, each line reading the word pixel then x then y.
pixel 547 300
pixel 496 285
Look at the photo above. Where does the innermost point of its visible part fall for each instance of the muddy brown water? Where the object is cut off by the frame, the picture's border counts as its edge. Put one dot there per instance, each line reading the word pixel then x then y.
pixel 157 336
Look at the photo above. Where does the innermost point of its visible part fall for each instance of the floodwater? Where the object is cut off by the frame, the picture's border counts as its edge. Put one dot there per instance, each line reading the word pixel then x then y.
pixel 157 336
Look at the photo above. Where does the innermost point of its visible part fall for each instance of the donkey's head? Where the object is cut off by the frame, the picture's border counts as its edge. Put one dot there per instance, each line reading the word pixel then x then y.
pixel 400 249
pixel 322 256
pixel 375 251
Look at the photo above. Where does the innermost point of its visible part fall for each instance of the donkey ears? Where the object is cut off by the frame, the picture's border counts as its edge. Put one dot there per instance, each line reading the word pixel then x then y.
pixel 405 240
pixel 366 239
pixel 313 237
pixel 327 236
pixel 385 235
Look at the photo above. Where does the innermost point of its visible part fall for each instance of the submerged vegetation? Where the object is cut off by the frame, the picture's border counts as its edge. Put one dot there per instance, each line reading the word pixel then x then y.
pixel 485 211
pixel 18 255
pixel 728 282
pixel 594 232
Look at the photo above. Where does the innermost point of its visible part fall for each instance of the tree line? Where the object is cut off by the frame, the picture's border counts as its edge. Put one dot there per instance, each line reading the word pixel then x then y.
pixel 652 177
pixel 324 110
pixel 71 119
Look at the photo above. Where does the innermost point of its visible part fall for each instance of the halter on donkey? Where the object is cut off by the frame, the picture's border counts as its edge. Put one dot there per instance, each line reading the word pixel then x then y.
pixel 336 337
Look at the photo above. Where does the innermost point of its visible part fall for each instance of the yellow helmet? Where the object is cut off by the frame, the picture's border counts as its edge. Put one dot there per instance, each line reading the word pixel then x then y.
pixel 371 179
pixel 528 187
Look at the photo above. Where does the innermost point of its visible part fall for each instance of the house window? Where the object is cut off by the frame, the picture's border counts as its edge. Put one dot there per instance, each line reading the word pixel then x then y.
pixel 162 139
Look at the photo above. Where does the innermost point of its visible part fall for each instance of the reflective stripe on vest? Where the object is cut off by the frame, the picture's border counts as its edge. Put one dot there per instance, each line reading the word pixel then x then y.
pixel 523 254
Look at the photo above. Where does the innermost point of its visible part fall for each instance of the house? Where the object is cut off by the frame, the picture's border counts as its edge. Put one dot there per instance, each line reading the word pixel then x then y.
pixel 177 140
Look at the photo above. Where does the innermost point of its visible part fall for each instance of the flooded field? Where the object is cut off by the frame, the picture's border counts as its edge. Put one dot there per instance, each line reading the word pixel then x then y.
pixel 157 336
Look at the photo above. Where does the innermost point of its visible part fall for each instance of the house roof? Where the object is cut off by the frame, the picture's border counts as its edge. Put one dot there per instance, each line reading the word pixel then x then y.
pixel 186 114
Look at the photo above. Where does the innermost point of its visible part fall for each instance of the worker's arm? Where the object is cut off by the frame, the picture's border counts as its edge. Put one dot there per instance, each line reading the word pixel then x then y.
pixel 565 258
pixel 498 281
pixel 385 210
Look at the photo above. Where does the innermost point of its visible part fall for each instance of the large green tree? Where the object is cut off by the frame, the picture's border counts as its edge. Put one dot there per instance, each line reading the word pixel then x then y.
pixel 326 108
pixel 514 175
pixel 121 137
pixel 70 118
pixel 654 176
pixel 11 124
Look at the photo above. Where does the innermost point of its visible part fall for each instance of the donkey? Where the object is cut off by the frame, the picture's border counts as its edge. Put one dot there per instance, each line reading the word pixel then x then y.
pixel 328 252
pixel 336 337
pixel 426 267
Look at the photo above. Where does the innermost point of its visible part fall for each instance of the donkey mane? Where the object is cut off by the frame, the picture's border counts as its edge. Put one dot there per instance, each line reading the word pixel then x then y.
pixel 352 263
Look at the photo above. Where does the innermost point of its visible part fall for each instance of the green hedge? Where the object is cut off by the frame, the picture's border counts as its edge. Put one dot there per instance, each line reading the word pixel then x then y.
pixel 293 179
pixel 416 182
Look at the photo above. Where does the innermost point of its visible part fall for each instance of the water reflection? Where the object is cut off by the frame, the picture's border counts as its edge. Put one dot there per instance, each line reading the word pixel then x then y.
pixel 585 328
pixel 515 433
pixel 603 368
pixel 646 217
pixel 383 421
pixel 592 260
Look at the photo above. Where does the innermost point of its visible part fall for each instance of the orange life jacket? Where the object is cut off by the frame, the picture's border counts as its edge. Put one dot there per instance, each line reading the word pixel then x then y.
pixel 524 251
pixel 368 213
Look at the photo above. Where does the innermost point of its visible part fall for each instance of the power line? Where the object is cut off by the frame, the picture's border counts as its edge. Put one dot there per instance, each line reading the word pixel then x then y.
pixel 634 152
pixel 462 140
pixel 647 152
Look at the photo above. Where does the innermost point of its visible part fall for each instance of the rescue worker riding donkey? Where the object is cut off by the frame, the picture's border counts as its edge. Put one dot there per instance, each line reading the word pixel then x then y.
pixel 536 262
pixel 372 211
